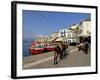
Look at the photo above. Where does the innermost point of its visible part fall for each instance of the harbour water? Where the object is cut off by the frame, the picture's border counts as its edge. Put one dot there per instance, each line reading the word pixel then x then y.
pixel 26 45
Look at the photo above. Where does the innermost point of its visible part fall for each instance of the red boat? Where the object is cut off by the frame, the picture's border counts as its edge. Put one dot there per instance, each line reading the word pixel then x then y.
pixel 38 47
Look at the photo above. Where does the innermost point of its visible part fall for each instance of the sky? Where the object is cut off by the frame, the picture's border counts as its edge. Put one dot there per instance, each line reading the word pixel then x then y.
pixel 38 23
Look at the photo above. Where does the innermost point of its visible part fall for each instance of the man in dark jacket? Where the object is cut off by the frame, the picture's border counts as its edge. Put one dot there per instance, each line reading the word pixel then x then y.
pixel 86 47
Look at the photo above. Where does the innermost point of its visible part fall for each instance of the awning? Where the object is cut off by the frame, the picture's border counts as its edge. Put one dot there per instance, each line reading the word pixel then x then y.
pixel 82 35
pixel 59 39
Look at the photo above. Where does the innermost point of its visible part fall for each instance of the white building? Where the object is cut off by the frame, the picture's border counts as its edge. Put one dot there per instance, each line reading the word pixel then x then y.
pixel 72 34
pixel 74 26
pixel 72 37
pixel 85 28
pixel 54 35
pixel 63 33
pixel 69 35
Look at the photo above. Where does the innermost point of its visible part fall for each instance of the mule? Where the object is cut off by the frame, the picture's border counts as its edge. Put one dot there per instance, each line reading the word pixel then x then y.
pixel 84 47
pixel 57 53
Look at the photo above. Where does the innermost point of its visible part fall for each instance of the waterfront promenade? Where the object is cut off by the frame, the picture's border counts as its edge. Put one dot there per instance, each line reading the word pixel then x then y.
pixel 45 60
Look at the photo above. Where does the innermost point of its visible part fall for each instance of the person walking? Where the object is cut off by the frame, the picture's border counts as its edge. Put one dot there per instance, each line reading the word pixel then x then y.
pixel 86 46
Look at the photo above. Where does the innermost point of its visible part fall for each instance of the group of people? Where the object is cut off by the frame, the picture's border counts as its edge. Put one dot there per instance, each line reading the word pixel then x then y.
pixel 60 52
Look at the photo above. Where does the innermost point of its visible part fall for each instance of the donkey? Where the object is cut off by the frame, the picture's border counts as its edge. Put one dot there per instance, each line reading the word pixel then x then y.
pixel 84 46
pixel 57 53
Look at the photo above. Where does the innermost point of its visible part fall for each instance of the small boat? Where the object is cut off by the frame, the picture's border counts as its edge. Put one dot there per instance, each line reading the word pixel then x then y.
pixel 39 47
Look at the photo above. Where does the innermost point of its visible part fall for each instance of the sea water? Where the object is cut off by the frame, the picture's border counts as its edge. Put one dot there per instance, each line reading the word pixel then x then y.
pixel 26 46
